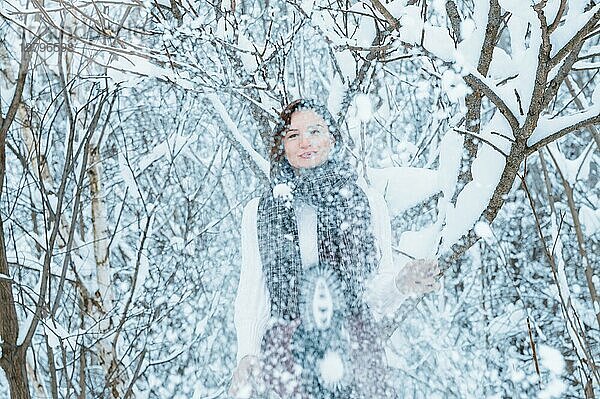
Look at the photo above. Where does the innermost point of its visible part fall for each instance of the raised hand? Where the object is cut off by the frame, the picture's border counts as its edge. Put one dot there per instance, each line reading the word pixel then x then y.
pixel 418 277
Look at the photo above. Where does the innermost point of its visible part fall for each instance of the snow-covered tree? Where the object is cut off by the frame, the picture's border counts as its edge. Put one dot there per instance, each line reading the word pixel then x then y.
pixel 132 133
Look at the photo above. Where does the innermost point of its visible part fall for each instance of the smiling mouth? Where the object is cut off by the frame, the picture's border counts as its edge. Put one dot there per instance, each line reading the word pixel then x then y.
pixel 308 155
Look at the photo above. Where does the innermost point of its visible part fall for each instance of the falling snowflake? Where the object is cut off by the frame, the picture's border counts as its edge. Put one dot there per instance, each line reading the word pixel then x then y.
pixel 282 191
pixel 331 368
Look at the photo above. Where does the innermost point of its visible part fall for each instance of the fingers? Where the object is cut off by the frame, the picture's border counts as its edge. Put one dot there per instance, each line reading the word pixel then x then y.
pixel 422 289
pixel 419 276
pixel 422 274
pixel 429 285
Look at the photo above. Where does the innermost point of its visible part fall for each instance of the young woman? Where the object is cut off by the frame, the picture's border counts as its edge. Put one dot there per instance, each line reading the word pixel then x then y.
pixel 316 271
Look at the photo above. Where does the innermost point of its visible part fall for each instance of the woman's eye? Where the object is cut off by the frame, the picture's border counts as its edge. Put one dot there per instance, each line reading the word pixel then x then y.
pixel 314 131
pixel 292 136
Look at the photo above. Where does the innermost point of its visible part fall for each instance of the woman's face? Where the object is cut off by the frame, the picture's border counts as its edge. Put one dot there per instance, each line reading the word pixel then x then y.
pixel 307 141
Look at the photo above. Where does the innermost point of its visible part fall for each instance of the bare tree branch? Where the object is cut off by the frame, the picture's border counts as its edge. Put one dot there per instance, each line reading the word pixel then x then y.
pixel 477 84
pixel 577 38
pixel 588 122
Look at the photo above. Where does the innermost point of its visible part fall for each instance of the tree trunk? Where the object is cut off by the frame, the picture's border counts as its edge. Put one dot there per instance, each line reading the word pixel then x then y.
pixel 16 374
pixel 13 360
pixel 115 372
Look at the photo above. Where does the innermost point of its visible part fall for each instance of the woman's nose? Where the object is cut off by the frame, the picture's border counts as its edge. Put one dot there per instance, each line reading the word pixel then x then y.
pixel 305 140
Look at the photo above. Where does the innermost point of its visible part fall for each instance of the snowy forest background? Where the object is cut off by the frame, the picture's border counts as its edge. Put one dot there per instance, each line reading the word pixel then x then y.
pixel 132 134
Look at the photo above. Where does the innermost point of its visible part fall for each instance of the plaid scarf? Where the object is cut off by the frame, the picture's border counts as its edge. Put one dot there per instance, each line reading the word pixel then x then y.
pixel 345 240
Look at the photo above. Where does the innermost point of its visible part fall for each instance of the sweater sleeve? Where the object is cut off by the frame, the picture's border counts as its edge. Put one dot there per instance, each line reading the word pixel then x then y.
pixel 381 294
pixel 252 306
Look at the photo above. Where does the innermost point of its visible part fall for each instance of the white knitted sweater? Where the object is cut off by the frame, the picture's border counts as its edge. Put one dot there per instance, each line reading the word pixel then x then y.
pixel 252 304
